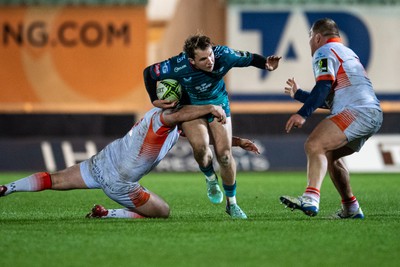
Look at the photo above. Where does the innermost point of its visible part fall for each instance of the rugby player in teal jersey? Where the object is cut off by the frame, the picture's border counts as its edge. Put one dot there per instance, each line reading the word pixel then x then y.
pixel 200 70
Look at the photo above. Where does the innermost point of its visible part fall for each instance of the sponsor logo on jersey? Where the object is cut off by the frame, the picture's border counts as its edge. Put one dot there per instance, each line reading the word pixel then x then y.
pixel 203 87
pixel 179 59
pixel 156 69
pixel 323 65
pixel 187 79
pixel 176 69
pixel 165 67
pixel 273 39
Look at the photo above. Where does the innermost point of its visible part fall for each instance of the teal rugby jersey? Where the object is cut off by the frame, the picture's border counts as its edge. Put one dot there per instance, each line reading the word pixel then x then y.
pixel 202 87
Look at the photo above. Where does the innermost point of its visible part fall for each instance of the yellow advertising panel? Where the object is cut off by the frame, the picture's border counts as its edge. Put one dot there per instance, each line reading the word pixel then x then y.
pixel 73 59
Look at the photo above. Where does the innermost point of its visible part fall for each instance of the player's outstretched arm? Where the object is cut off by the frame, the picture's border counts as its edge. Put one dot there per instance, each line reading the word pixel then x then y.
pixel 269 63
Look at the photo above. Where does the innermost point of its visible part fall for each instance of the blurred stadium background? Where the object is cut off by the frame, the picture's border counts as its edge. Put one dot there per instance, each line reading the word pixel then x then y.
pixel 71 74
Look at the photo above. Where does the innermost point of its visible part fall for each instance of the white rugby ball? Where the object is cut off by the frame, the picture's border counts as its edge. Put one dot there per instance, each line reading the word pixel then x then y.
pixel 169 89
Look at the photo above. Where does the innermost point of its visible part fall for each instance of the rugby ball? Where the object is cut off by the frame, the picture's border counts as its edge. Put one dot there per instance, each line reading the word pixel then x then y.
pixel 169 89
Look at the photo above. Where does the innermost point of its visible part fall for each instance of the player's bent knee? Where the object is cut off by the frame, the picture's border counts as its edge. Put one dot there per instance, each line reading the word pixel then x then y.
pixel 225 160
pixel 200 148
pixel 203 157
pixel 149 204
pixel 164 211
pixel 312 147
pixel 156 208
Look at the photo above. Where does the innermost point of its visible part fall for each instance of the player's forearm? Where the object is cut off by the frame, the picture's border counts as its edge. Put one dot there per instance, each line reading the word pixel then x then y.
pixel 315 99
pixel 236 141
pixel 192 112
pixel 301 95
pixel 258 61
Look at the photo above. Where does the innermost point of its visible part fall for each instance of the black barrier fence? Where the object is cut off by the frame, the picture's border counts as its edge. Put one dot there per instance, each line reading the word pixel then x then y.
pixel 278 153
pixel 51 154
pixel 65 125
pixel 34 142
pixel 115 125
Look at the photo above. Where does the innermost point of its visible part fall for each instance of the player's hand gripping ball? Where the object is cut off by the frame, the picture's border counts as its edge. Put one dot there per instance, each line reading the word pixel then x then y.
pixel 169 89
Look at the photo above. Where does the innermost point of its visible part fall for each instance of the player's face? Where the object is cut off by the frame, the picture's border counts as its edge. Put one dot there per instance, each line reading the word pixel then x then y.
pixel 204 59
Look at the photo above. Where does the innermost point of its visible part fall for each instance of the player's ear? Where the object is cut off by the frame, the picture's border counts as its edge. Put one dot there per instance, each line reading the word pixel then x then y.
pixel 191 60
pixel 318 37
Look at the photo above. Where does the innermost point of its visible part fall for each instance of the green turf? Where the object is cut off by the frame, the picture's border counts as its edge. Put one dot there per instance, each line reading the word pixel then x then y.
pixel 49 229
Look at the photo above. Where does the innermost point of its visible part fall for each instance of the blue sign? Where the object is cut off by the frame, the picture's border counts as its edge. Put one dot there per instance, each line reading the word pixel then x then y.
pixel 271 25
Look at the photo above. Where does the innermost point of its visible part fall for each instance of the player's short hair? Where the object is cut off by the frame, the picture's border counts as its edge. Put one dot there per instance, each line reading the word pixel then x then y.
pixel 326 27
pixel 197 41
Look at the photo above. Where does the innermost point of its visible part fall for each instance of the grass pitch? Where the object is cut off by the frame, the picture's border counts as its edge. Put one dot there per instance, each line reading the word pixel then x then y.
pixel 49 229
